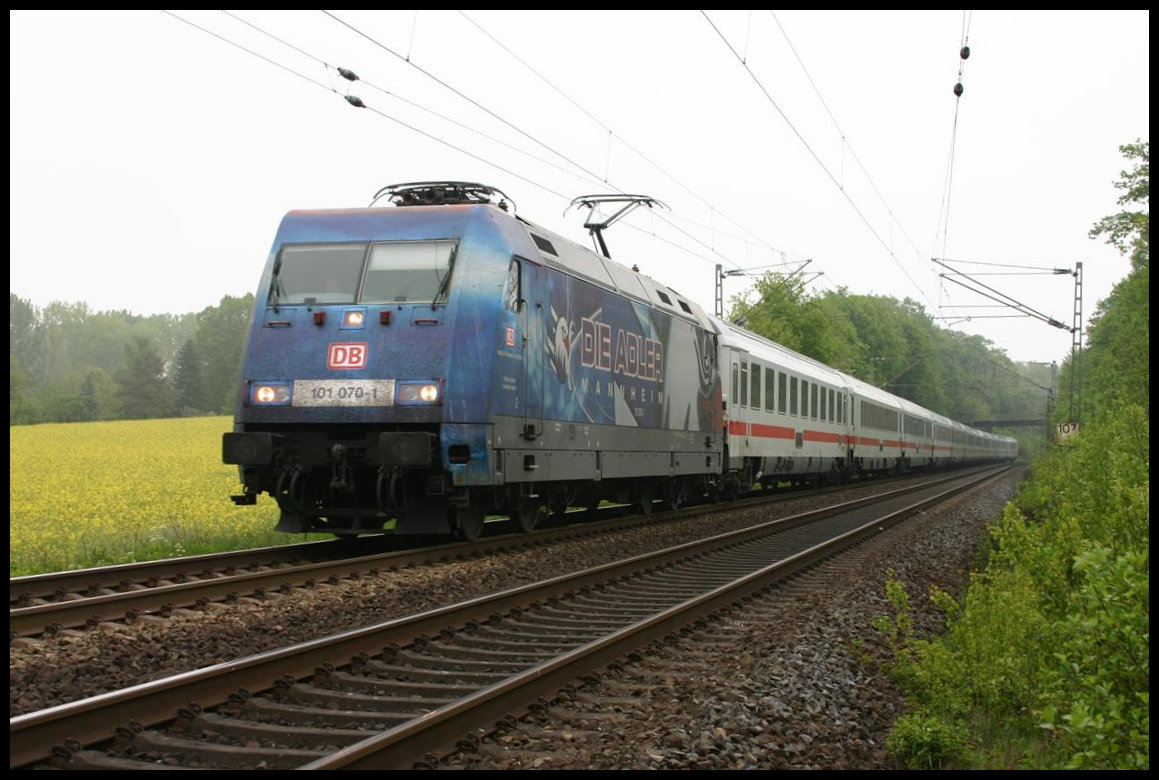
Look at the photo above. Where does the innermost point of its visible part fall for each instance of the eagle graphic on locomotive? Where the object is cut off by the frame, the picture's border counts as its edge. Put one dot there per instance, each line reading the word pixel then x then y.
pixel 418 367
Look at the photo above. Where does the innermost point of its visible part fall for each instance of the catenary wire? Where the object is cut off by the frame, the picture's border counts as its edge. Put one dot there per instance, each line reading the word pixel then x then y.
pixel 818 160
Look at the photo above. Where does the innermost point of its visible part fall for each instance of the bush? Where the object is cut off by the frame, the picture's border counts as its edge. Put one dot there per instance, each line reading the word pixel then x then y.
pixel 1047 660
pixel 923 742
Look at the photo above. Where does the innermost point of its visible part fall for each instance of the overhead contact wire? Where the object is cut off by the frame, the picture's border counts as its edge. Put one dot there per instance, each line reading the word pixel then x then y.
pixel 611 132
pixel 358 103
pixel 818 160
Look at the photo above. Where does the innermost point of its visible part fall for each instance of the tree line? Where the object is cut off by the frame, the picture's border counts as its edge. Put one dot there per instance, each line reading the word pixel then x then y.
pixel 71 364
pixel 68 363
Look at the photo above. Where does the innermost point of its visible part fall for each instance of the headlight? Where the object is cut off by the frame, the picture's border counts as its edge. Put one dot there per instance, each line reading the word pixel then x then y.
pixel 269 393
pixel 353 319
pixel 417 393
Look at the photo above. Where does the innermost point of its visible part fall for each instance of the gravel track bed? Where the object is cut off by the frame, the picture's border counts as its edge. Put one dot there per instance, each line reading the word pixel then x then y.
pixel 72 665
pixel 794 681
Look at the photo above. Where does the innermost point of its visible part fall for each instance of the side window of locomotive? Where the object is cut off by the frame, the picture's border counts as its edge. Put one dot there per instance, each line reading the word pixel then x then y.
pixel 317 273
pixel 782 393
pixel 770 384
pixel 755 389
pixel 511 287
pixel 793 396
pixel 409 272
pixel 744 383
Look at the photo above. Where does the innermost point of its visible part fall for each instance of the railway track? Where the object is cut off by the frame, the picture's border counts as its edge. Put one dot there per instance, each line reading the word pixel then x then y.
pixel 383 696
pixel 77 599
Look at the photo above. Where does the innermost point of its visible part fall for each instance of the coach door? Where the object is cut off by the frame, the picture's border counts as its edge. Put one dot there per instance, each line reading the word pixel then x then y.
pixel 532 327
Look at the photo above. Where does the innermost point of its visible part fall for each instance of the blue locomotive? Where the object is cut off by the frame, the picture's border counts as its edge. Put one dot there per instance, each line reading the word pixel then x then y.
pixel 419 367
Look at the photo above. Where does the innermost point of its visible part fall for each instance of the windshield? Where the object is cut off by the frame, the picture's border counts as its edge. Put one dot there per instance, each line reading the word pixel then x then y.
pixel 318 274
pixel 396 272
pixel 404 272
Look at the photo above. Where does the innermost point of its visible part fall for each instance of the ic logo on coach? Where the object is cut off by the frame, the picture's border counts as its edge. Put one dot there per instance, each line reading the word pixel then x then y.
pixel 345 356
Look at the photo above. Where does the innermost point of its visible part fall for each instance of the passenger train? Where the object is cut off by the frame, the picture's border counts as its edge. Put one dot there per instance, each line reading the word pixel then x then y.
pixel 417 367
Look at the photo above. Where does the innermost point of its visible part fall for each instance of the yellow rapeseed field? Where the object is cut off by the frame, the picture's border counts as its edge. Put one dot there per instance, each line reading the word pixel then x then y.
pixel 91 494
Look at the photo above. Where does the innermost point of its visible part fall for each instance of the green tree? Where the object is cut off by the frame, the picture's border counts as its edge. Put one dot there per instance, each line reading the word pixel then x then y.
pixel 221 335
pixel 187 379
pixel 1115 363
pixel 777 311
pixel 1129 230
pixel 22 321
pixel 18 403
pixel 98 394
pixel 143 389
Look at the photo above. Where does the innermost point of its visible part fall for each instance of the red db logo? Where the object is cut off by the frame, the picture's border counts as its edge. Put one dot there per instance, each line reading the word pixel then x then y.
pixel 342 356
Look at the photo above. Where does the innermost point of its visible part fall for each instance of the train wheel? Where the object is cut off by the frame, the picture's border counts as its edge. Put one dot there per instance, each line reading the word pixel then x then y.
pixel 674 496
pixel 646 499
pixel 468 522
pixel 527 513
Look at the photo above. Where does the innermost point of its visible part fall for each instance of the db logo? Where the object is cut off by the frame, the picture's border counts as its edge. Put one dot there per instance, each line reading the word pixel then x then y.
pixel 510 342
pixel 343 356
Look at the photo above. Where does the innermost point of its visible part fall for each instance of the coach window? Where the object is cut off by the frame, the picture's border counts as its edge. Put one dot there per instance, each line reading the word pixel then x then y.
pixel 840 406
pixel 782 393
pixel 755 392
pixel 813 398
pixel 793 396
pixel 824 407
pixel 744 383
pixel 769 385
pixel 832 411
pixel 735 384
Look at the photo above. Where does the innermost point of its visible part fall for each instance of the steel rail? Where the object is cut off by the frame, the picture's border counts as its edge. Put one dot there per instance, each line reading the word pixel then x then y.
pixel 33 736
pixel 142 595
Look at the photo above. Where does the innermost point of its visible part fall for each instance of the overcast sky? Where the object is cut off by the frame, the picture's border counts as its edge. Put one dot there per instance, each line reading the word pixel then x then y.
pixel 151 161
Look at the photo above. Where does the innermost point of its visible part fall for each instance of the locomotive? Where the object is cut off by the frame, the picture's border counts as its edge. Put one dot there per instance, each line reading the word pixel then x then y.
pixel 417 367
